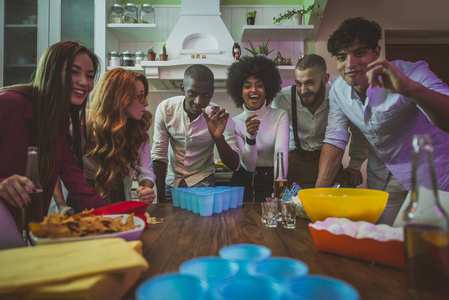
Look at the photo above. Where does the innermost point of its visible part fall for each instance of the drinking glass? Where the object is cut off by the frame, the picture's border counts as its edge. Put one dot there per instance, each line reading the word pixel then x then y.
pixel 289 215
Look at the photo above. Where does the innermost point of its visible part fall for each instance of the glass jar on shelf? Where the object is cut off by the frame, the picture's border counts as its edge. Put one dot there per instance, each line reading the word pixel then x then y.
pixel 138 57
pixel 147 14
pixel 115 14
pixel 128 59
pixel 114 58
pixel 130 14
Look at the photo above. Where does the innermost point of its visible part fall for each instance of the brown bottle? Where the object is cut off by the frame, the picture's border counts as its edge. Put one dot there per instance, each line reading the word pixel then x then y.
pixel 426 226
pixel 34 212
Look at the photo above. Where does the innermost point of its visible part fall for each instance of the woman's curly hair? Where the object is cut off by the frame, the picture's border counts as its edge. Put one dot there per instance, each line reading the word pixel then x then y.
pixel 113 138
pixel 258 66
pixel 366 32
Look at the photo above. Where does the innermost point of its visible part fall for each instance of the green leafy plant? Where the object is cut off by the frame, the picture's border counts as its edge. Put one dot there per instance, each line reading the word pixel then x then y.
pixel 260 49
pixel 251 14
pixel 151 50
pixel 313 10
pixel 164 49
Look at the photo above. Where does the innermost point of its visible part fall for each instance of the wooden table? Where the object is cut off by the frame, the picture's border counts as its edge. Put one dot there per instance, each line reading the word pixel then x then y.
pixel 184 235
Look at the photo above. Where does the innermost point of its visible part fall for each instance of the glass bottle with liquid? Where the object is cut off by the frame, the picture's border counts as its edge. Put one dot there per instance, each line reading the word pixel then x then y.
pixel 426 226
pixel 280 180
pixel 34 212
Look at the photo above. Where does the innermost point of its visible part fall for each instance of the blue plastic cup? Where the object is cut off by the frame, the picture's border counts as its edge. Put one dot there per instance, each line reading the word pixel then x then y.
pixel 176 196
pixel 279 269
pixel 190 193
pixel 173 287
pixel 226 198
pixel 218 201
pixel 212 269
pixel 241 190
pixel 247 288
pixel 194 201
pixel 182 198
pixel 244 254
pixel 234 197
pixel 205 203
pixel 319 287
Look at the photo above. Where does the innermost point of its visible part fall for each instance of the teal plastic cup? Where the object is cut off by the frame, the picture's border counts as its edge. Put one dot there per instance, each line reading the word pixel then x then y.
pixel 190 193
pixel 175 192
pixel 218 201
pixel 279 269
pixel 212 269
pixel 233 200
pixel 248 288
pixel 205 203
pixel 182 198
pixel 173 286
pixel 241 190
pixel 226 198
pixel 319 287
pixel 194 201
pixel 244 254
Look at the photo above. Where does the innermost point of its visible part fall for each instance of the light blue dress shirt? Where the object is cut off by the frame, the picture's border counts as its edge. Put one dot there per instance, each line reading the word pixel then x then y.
pixel 389 121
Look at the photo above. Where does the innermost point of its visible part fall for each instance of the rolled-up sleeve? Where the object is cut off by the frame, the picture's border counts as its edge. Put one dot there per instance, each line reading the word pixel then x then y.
pixel 337 133
pixel 160 137
pixel 144 169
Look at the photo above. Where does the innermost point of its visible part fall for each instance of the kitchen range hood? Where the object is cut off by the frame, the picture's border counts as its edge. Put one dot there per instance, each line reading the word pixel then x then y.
pixel 199 37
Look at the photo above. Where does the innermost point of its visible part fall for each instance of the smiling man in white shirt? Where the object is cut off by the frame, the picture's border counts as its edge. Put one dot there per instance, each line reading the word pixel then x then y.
pixel 185 136
pixel 389 102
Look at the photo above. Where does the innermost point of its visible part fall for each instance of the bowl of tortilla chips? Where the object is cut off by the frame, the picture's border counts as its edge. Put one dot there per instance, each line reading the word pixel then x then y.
pixel 58 228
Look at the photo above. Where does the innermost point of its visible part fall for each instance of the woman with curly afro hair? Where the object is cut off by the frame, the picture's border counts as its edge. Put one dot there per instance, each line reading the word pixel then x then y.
pixel 260 131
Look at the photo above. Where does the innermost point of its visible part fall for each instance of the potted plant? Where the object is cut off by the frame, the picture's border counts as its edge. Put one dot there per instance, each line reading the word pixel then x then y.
pixel 261 49
pixel 163 55
pixel 151 54
pixel 251 17
pixel 298 13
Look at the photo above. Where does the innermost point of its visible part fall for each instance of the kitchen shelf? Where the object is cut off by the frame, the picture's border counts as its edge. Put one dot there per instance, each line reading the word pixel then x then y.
pixel 138 69
pixel 261 33
pixel 132 32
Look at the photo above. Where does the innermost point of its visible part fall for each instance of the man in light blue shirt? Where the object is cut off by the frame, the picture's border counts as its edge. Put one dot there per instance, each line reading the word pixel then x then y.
pixel 389 102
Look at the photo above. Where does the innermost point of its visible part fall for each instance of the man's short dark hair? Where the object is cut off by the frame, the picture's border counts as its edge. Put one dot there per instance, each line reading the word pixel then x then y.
pixel 366 32
pixel 311 60
pixel 199 72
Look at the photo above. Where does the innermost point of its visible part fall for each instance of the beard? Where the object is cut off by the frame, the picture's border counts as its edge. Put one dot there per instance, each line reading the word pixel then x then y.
pixel 318 95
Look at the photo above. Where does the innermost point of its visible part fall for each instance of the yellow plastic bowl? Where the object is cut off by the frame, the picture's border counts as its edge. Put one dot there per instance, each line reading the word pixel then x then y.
pixel 353 204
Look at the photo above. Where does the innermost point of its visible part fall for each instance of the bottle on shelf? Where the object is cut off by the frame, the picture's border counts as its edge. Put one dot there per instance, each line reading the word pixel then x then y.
pixel 114 58
pixel 426 226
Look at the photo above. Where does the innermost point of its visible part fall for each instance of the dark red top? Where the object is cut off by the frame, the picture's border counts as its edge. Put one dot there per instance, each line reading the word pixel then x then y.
pixel 16 116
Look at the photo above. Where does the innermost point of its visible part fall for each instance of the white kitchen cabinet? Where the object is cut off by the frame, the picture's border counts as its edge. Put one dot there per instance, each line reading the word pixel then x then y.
pixel 28 27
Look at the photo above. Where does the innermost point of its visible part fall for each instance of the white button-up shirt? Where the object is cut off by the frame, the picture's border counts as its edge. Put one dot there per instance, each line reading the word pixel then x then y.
pixel 187 147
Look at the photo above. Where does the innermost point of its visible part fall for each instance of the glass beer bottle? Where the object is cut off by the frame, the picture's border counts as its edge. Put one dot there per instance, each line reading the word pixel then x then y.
pixel 34 212
pixel 280 181
pixel 426 226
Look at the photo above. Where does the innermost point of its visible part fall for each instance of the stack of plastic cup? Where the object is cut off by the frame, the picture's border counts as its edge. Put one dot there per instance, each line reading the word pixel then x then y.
pixel 224 197
pixel 173 286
